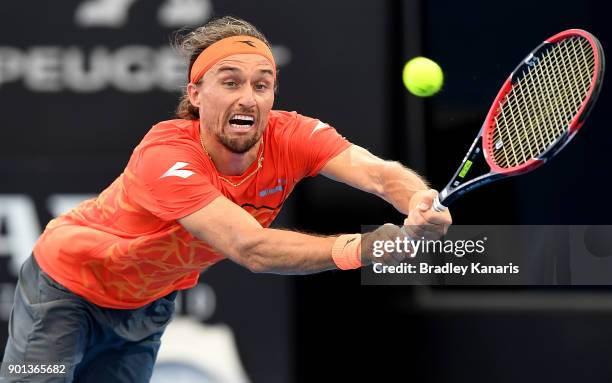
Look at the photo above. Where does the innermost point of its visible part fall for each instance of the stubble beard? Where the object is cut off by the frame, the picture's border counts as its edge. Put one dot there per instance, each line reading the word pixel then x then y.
pixel 240 144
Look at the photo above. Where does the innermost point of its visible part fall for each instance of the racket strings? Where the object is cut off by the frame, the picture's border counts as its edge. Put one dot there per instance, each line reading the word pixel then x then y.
pixel 533 135
pixel 560 109
pixel 540 106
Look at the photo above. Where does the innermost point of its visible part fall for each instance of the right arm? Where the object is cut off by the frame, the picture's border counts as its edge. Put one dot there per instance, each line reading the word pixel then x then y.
pixel 236 234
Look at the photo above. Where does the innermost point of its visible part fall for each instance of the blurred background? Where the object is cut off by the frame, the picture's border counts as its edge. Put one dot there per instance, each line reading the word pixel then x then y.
pixel 82 81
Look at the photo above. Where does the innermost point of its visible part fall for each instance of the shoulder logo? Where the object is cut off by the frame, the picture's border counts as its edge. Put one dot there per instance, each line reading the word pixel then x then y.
pixel 320 125
pixel 175 171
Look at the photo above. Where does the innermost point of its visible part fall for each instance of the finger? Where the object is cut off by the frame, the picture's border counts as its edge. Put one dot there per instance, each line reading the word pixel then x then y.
pixel 425 219
pixel 418 226
pixel 393 233
pixel 437 217
pixel 416 218
pixel 433 217
pixel 420 233
pixel 384 232
pixel 414 225
pixel 409 230
pixel 390 231
pixel 434 232
pixel 427 200
pixel 389 259
pixel 430 234
pixel 431 226
pixel 399 256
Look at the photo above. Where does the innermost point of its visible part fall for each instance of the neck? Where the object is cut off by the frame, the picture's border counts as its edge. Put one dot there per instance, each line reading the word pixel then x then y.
pixel 227 162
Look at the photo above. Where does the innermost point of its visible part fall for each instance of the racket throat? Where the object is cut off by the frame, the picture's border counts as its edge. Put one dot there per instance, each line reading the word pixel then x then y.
pixel 473 172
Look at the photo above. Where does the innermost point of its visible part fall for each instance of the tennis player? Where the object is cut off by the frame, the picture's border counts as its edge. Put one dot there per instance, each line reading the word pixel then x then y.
pixel 99 289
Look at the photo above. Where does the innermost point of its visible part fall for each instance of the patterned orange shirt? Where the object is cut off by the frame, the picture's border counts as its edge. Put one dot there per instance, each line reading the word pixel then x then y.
pixel 125 248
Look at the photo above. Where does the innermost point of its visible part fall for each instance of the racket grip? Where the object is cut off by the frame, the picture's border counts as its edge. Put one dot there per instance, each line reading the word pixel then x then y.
pixel 437 205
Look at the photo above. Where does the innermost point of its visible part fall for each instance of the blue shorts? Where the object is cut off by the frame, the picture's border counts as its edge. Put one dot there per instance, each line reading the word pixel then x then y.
pixel 49 324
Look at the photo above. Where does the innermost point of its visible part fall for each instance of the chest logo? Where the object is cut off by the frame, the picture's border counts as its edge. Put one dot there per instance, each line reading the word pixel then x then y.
pixel 276 189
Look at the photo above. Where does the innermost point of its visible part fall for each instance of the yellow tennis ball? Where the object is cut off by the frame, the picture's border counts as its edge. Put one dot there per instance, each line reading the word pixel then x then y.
pixel 422 77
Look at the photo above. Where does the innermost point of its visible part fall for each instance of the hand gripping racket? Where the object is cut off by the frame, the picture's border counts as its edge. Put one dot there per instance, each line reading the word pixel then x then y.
pixel 538 110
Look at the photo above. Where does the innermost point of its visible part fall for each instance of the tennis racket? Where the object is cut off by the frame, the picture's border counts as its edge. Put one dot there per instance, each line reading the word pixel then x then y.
pixel 538 110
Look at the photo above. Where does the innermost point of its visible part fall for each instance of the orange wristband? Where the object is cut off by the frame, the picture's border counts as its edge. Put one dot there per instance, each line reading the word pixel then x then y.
pixel 346 251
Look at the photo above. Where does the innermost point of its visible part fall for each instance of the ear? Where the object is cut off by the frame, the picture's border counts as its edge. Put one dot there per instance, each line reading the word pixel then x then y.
pixel 193 90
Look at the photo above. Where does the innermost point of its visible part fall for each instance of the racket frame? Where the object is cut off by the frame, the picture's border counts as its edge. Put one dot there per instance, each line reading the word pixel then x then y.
pixel 479 150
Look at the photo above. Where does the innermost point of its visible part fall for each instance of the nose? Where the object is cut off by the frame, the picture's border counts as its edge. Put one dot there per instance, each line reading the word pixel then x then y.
pixel 247 98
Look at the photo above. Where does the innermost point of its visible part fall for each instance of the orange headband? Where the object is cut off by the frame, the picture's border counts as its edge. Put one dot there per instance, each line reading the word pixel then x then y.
pixel 226 47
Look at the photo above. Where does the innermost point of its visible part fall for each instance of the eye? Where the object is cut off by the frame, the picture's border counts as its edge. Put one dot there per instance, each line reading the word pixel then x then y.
pixel 230 84
pixel 261 86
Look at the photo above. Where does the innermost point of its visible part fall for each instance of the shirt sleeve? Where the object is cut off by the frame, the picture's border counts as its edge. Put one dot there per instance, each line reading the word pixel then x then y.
pixel 313 143
pixel 171 182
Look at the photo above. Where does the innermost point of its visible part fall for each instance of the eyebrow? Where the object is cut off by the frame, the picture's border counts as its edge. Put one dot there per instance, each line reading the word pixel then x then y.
pixel 267 71
pixel 227 68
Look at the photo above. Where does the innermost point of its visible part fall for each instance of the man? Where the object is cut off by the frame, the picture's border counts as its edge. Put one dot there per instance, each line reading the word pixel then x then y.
pixel 99 289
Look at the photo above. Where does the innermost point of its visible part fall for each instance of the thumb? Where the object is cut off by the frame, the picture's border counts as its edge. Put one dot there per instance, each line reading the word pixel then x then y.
pixel 427 200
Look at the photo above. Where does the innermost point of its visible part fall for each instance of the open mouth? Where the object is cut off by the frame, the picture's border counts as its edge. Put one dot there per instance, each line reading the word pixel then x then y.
pixel 241 121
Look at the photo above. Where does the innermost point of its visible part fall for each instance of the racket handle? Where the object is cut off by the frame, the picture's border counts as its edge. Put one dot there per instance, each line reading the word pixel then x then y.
pixel 437 205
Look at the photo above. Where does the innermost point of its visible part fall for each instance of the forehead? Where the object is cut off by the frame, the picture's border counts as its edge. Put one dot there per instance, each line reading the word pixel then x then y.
pixel 243 61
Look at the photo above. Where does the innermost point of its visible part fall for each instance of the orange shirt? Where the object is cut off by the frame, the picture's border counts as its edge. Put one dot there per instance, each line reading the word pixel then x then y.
pixel 125 248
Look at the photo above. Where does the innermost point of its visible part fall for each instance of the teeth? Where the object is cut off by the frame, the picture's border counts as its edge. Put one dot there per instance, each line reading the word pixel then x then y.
pixel 242 117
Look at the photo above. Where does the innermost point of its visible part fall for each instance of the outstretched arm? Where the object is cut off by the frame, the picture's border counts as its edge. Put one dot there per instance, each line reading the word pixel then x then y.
pixel 236 234
pixel 389 180
pixel 393 182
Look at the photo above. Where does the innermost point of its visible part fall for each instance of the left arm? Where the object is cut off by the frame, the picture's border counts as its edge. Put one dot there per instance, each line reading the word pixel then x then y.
pixel 389 180
pixel 396 184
